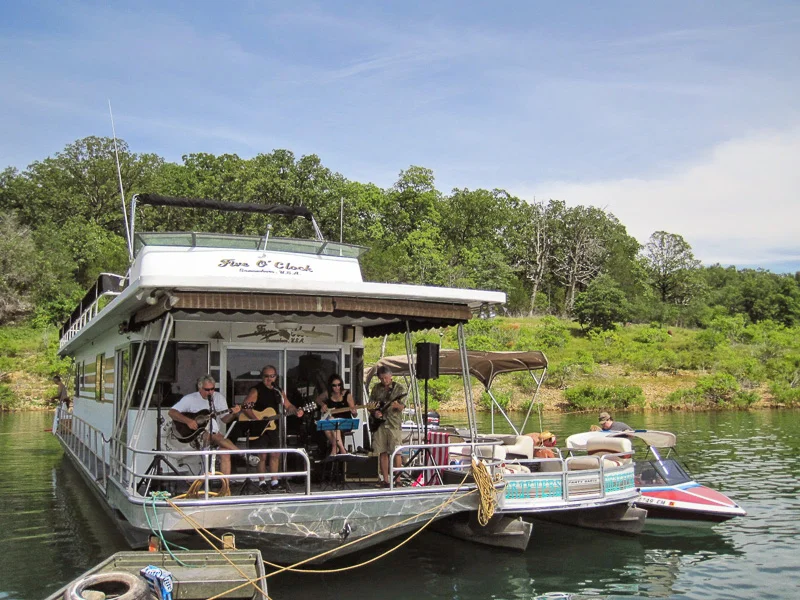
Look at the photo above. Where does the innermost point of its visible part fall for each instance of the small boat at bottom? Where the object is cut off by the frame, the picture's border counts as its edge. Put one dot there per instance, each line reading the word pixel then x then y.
pixel 185 574
pixel 668 492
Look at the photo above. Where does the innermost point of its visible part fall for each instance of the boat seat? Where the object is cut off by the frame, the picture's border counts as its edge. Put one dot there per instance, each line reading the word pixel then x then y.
pixel 513 468
pixel 611 445
pixel 497 452
pixel 588 463
pixel 522 447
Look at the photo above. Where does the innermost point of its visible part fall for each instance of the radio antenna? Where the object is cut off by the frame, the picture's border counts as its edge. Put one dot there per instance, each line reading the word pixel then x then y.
pixel 121 189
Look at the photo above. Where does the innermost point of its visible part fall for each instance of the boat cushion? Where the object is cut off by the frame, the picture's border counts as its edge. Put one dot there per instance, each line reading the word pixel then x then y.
pixel 522 447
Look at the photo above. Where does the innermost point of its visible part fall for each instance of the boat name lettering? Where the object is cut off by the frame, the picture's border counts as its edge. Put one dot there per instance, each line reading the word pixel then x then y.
pixel 537 488
pixel 265 264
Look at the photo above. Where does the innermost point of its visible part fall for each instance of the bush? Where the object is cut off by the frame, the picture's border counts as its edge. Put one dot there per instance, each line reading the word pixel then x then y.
pixel 438 391
pixel 687 398
pixel 718 388
pixel 552 333
pixel 785 394
pixel 567 370
pixel 587 397
pixel 8 400
pixel 651 335
pixel 652 360
pixel 503 400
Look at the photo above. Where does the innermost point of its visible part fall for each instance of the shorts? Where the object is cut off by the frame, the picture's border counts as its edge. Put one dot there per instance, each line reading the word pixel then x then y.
pixel 385 440
pixel 269 439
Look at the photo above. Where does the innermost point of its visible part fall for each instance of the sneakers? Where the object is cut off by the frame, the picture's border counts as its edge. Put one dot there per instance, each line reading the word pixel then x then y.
pixel 270 486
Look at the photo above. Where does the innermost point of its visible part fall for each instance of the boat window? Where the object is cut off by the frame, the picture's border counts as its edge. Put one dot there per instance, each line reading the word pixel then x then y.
pixel 307 374
pixel 245 242
pixel 671 471
pixel 244 371
pixel 183 363
pixel 647 474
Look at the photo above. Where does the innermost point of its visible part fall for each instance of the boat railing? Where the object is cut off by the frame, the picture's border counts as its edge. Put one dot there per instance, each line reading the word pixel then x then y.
pixel 86 443
pixel 140 483
pixel 570 479
pixel 423 461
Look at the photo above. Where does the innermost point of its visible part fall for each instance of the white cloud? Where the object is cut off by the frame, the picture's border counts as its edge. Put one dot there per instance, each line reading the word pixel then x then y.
pixel 739 204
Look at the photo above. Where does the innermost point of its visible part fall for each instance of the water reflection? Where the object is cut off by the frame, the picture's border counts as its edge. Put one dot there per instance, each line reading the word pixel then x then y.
pixel 564 560
pixel 52 528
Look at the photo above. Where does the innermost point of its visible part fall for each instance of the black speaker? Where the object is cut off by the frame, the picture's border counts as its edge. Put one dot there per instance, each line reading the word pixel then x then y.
pixel 427 360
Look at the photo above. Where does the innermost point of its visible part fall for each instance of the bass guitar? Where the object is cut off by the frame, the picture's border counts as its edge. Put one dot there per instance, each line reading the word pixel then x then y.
pixel 185 434
pixel 268 416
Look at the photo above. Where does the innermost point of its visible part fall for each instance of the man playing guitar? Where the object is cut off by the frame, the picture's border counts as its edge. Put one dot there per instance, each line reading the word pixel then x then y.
pixel 388 396
pixel 205 399
pixel 267 395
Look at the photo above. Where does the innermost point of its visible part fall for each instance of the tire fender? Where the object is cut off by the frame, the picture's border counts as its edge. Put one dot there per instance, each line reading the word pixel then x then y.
pixel 135 587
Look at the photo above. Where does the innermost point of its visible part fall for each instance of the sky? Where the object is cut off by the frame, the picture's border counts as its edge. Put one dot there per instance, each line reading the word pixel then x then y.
pixel 672 115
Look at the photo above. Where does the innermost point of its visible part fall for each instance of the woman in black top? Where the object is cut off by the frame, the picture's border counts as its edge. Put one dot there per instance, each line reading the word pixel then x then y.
pixel 336 397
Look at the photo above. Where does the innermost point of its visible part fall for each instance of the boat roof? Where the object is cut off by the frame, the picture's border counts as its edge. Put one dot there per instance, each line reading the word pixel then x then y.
pixel 656 439
pixel 252 278
pixel 484 366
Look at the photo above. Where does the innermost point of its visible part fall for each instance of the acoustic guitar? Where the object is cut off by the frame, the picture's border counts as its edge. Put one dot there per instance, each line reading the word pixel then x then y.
pixel 327 414
pixel 185 434
pixel 268 416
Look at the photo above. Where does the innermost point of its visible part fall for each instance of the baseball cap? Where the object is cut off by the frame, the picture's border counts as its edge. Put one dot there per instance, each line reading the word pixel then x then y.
pixel 604 416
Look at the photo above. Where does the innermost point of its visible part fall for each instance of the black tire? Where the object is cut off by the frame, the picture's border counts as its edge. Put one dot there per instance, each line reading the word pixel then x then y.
pixel 124 586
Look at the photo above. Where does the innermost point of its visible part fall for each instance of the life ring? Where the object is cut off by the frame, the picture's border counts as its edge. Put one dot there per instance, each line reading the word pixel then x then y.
pixel 124 586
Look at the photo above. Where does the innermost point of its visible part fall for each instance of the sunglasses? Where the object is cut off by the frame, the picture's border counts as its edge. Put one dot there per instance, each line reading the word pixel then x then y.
pixel 336 385
pixel 209 389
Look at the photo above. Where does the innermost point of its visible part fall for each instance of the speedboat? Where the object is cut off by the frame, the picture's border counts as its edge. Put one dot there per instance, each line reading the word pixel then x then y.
pixel 668 491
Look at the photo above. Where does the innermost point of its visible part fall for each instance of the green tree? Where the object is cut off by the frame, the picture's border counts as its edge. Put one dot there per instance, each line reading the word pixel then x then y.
pixel 672 266
pixel 602 304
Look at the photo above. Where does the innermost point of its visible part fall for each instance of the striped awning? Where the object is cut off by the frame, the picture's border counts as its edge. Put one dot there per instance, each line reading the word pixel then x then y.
pixel 392 314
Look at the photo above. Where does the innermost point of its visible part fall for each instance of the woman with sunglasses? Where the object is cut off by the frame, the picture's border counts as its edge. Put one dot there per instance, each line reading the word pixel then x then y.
pixel 336 397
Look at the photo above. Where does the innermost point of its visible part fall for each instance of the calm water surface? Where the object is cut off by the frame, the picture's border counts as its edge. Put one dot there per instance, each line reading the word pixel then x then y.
pixel 52 529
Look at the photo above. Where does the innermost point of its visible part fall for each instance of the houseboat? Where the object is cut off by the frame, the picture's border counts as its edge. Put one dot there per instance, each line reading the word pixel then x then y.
pixel 195 303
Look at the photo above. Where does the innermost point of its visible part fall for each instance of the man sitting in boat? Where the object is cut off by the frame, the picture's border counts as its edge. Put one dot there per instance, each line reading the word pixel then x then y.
pixel 388 396
pixel 609 424
pixel 337 399
pixel 205 399
pixel 264 402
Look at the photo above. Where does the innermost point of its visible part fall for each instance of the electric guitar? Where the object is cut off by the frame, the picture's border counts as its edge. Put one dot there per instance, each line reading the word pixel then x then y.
pixel 185 434
pixel 376 422
pixel 268 416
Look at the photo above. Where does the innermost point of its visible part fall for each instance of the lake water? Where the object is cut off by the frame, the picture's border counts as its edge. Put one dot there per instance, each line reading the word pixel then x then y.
pixel 52 529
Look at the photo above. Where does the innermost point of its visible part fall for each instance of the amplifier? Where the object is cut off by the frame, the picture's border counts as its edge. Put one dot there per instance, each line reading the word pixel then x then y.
pixel 362 470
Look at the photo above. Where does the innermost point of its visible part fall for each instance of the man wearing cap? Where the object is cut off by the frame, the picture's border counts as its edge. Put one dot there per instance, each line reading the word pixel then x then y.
pixel 609 424
pixel 388 396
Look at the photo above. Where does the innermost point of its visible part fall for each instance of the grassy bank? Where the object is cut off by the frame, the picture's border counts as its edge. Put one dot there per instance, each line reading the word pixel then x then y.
pixel 28 362
pixel 728 365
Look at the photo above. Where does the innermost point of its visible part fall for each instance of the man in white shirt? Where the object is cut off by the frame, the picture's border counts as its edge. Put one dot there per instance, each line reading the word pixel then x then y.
pixel 203 399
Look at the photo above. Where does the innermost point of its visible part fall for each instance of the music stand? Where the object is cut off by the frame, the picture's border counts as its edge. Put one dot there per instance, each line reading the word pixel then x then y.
pixel 155 468
pixel 336 472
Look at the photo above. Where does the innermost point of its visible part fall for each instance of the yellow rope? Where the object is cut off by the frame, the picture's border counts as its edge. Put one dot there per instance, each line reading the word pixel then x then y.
pixel 202 531
pixel 485 486
pixel 197 489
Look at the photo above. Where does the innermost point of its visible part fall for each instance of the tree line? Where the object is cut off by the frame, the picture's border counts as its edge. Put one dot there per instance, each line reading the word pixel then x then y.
pixel 61 224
